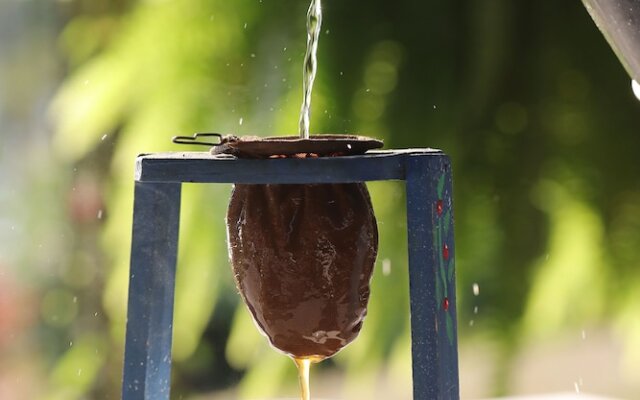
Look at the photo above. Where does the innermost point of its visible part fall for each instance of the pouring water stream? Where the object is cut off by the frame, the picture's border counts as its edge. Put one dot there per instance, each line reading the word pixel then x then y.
pixel 314 25
pixel 309 68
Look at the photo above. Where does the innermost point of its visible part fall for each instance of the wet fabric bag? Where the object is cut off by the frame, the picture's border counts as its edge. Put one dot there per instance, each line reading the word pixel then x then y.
pixel 303 255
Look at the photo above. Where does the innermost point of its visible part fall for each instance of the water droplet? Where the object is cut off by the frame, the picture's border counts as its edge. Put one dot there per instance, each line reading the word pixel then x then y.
pixel 635 86
pixel 471 323
pixel 577 387
pixel 253 55
pixel 99 214
pixel 386 267
pixel 434 107
pixel 70 344
pixel 79 371
pixel 475 310
pixel 476 289
pixel 327 32
pixel 245 25
pixel 240 121
pixel 584 334
pixel 103 137
pixel 75 299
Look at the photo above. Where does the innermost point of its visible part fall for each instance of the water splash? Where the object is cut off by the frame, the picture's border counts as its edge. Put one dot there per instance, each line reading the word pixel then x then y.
pixel 386 267
pixel 314 25
pixel 476 289
pixel 635 86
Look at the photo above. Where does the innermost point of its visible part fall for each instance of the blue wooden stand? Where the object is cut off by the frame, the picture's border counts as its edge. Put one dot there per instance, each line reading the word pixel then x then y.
pixel 427 172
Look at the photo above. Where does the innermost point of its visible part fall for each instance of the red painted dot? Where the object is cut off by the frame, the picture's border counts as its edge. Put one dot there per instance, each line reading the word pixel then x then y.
pixel 445 252
pixel 439 207
pixel 445 304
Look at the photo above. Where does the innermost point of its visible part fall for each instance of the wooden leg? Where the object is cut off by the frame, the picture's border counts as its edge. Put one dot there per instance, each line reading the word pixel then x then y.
pixel 432 278
pixel 147 361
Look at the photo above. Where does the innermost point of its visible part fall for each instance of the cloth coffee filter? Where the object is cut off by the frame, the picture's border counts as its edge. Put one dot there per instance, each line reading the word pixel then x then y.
pixel 303 255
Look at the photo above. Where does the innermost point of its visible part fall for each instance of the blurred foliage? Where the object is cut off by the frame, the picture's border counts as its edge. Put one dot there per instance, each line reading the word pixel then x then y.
pixel 526 97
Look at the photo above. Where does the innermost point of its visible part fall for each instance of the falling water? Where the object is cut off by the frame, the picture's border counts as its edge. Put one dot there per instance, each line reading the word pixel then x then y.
pixel 314 24
pixel 635 86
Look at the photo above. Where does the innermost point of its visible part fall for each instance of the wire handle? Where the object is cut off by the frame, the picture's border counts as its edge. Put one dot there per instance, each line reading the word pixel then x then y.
pixel 194 139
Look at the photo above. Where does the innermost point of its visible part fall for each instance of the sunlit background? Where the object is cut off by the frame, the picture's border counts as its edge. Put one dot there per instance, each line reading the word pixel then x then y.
pixel 526 97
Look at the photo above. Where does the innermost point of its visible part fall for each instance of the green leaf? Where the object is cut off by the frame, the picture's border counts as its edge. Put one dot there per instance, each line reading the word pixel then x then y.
pixel 443 276
pixel 438 291
pixel 449 324
pixel 447 222
pixel 441 186
pixel 438 248
pixel 451 269
pixel 436 229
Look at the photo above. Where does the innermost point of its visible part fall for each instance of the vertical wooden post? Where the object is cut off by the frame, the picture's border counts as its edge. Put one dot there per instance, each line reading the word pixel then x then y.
pixel 147 368
pixel 432 278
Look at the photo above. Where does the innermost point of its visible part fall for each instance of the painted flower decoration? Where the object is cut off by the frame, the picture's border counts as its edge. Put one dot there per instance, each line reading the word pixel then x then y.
pixel 445 262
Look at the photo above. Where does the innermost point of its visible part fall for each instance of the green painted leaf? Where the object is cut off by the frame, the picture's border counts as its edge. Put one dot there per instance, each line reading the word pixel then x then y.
pixel 447 222
pixel 449 324
pixel 438 291
pixel 443 276
pixel 436 229
pixel 451 269
pixel 441 186
pixel 438 248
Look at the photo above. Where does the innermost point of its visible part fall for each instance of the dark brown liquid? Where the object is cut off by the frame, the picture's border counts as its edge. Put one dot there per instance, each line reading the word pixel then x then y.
pixel 302 257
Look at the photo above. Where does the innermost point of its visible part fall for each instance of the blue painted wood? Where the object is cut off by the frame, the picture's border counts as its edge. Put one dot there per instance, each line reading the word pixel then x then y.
pixel 206 168
pixel 431 266
pixel 432 279
pixel 147 366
